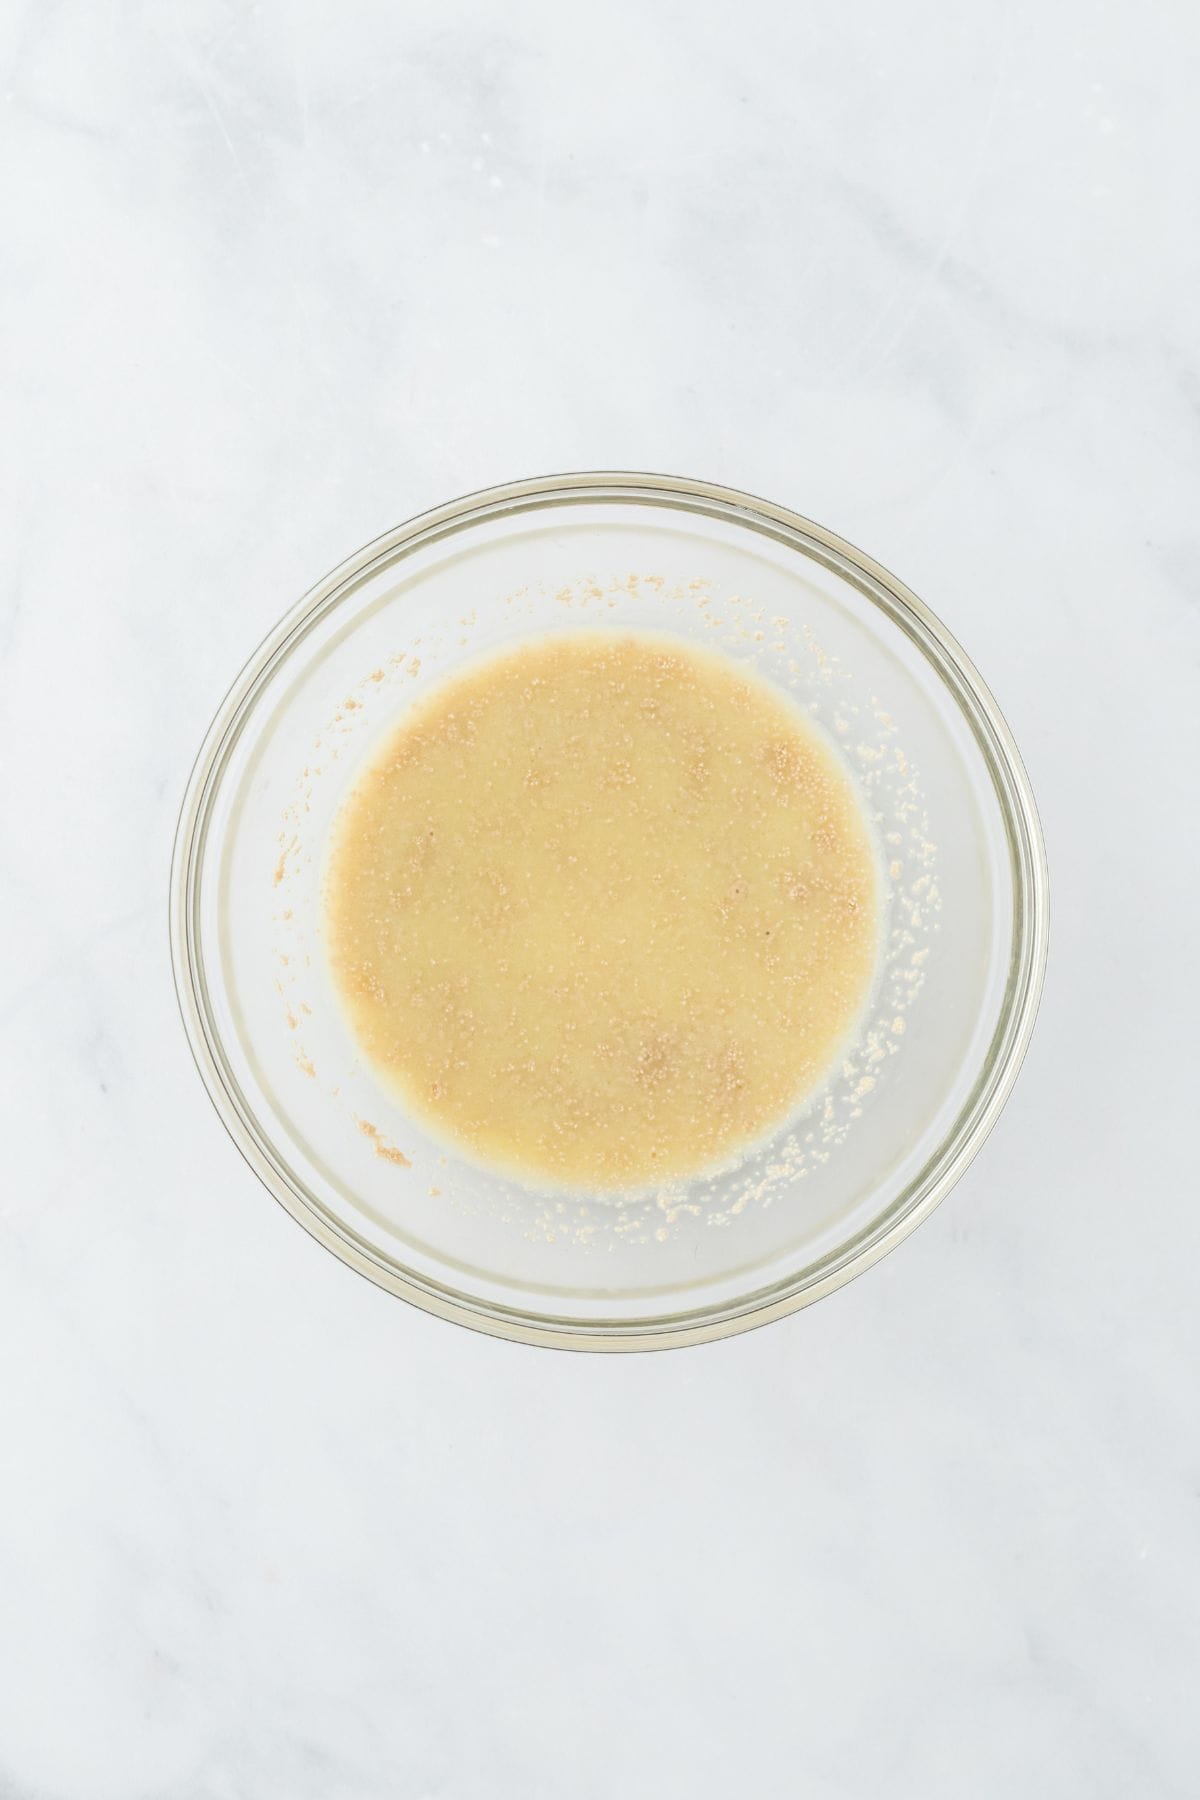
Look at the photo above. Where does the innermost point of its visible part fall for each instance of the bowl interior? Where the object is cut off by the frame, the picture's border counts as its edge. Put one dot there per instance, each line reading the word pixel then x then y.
pixel 869 669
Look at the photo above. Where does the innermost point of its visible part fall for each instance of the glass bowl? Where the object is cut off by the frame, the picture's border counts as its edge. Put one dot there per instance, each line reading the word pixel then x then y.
pixel 963 883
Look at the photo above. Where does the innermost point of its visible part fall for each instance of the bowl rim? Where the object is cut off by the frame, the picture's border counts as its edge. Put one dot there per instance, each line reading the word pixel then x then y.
pixel 999 1068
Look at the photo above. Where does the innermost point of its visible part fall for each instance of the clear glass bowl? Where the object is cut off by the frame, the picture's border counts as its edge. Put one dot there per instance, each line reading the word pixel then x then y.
pixel 962 867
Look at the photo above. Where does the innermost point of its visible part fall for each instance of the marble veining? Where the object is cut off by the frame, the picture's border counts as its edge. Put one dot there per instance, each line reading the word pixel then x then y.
pixel 273 277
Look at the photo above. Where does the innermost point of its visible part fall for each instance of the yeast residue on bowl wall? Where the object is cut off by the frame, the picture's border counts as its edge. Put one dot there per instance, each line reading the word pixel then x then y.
pixel 868 740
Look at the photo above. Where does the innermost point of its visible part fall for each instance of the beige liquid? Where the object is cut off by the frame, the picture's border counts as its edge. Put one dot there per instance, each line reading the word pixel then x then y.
pixel 603 909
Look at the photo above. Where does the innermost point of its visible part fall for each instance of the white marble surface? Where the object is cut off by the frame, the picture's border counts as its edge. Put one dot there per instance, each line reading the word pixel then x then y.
pixel 275 276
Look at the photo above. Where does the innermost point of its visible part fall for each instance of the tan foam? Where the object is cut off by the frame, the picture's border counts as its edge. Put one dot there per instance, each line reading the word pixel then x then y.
pixel 602 909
